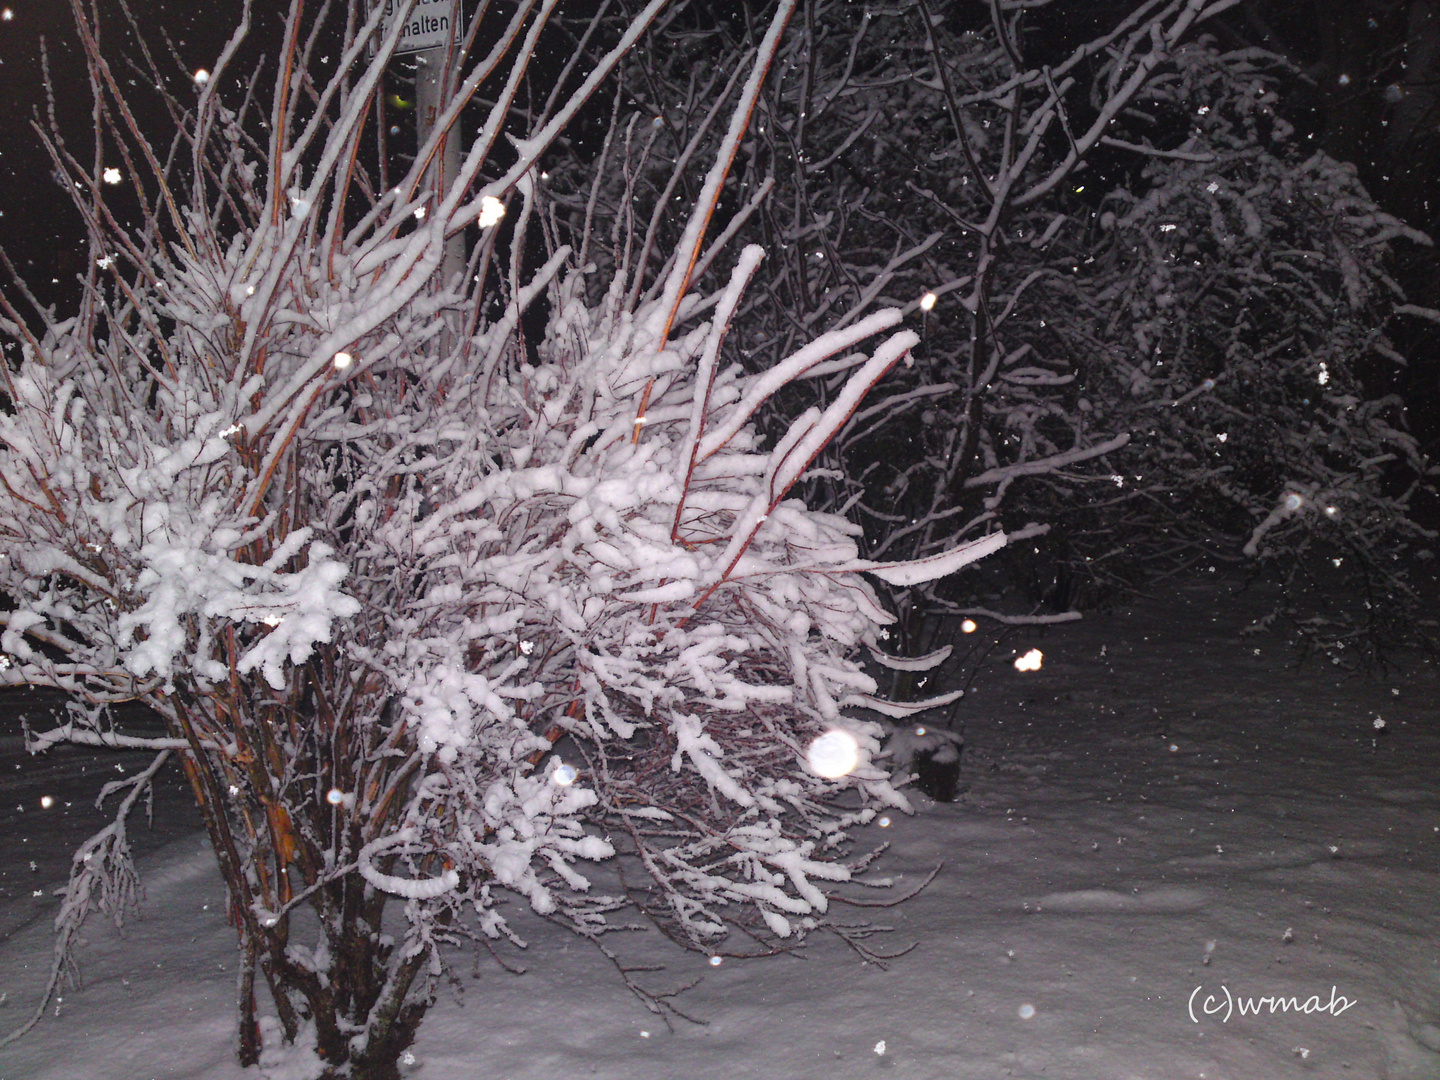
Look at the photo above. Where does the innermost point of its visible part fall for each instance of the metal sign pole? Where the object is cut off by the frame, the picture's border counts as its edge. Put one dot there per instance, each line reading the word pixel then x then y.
pixel 431 29
pixel 430 89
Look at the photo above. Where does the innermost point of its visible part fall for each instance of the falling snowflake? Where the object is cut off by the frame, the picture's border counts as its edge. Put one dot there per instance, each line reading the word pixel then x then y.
pixel 491 211
pixel 1031 661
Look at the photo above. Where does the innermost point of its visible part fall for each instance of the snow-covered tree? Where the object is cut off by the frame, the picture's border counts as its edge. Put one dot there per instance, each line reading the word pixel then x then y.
pixel 1236 308
pixel 1104 234
pixel 434 613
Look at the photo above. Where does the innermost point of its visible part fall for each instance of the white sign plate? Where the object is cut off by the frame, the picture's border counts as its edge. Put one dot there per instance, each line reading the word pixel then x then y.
pixel 428 26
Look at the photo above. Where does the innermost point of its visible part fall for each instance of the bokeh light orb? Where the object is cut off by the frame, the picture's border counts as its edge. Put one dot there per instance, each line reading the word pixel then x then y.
pixel 834 754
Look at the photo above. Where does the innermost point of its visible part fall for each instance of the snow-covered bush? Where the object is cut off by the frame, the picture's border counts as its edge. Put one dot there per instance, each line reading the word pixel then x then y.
pixel 430 612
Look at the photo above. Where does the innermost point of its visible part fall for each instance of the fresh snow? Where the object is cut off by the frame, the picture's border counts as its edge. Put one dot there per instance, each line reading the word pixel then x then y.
pixel 1164 814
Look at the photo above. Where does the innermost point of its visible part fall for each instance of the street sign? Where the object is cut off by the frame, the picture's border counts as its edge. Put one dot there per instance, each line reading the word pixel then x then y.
pixel 428 26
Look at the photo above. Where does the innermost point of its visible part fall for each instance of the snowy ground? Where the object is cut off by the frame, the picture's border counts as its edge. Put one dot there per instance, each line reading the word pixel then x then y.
pixel 1161 818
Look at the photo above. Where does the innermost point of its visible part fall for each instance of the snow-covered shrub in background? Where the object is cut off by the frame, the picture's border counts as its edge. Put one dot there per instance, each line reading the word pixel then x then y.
pixel 428 616
pixel 1235 307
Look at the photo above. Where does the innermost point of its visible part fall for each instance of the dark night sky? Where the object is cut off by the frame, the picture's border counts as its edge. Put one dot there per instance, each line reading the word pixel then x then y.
pixel 42 234
pixel 37 227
